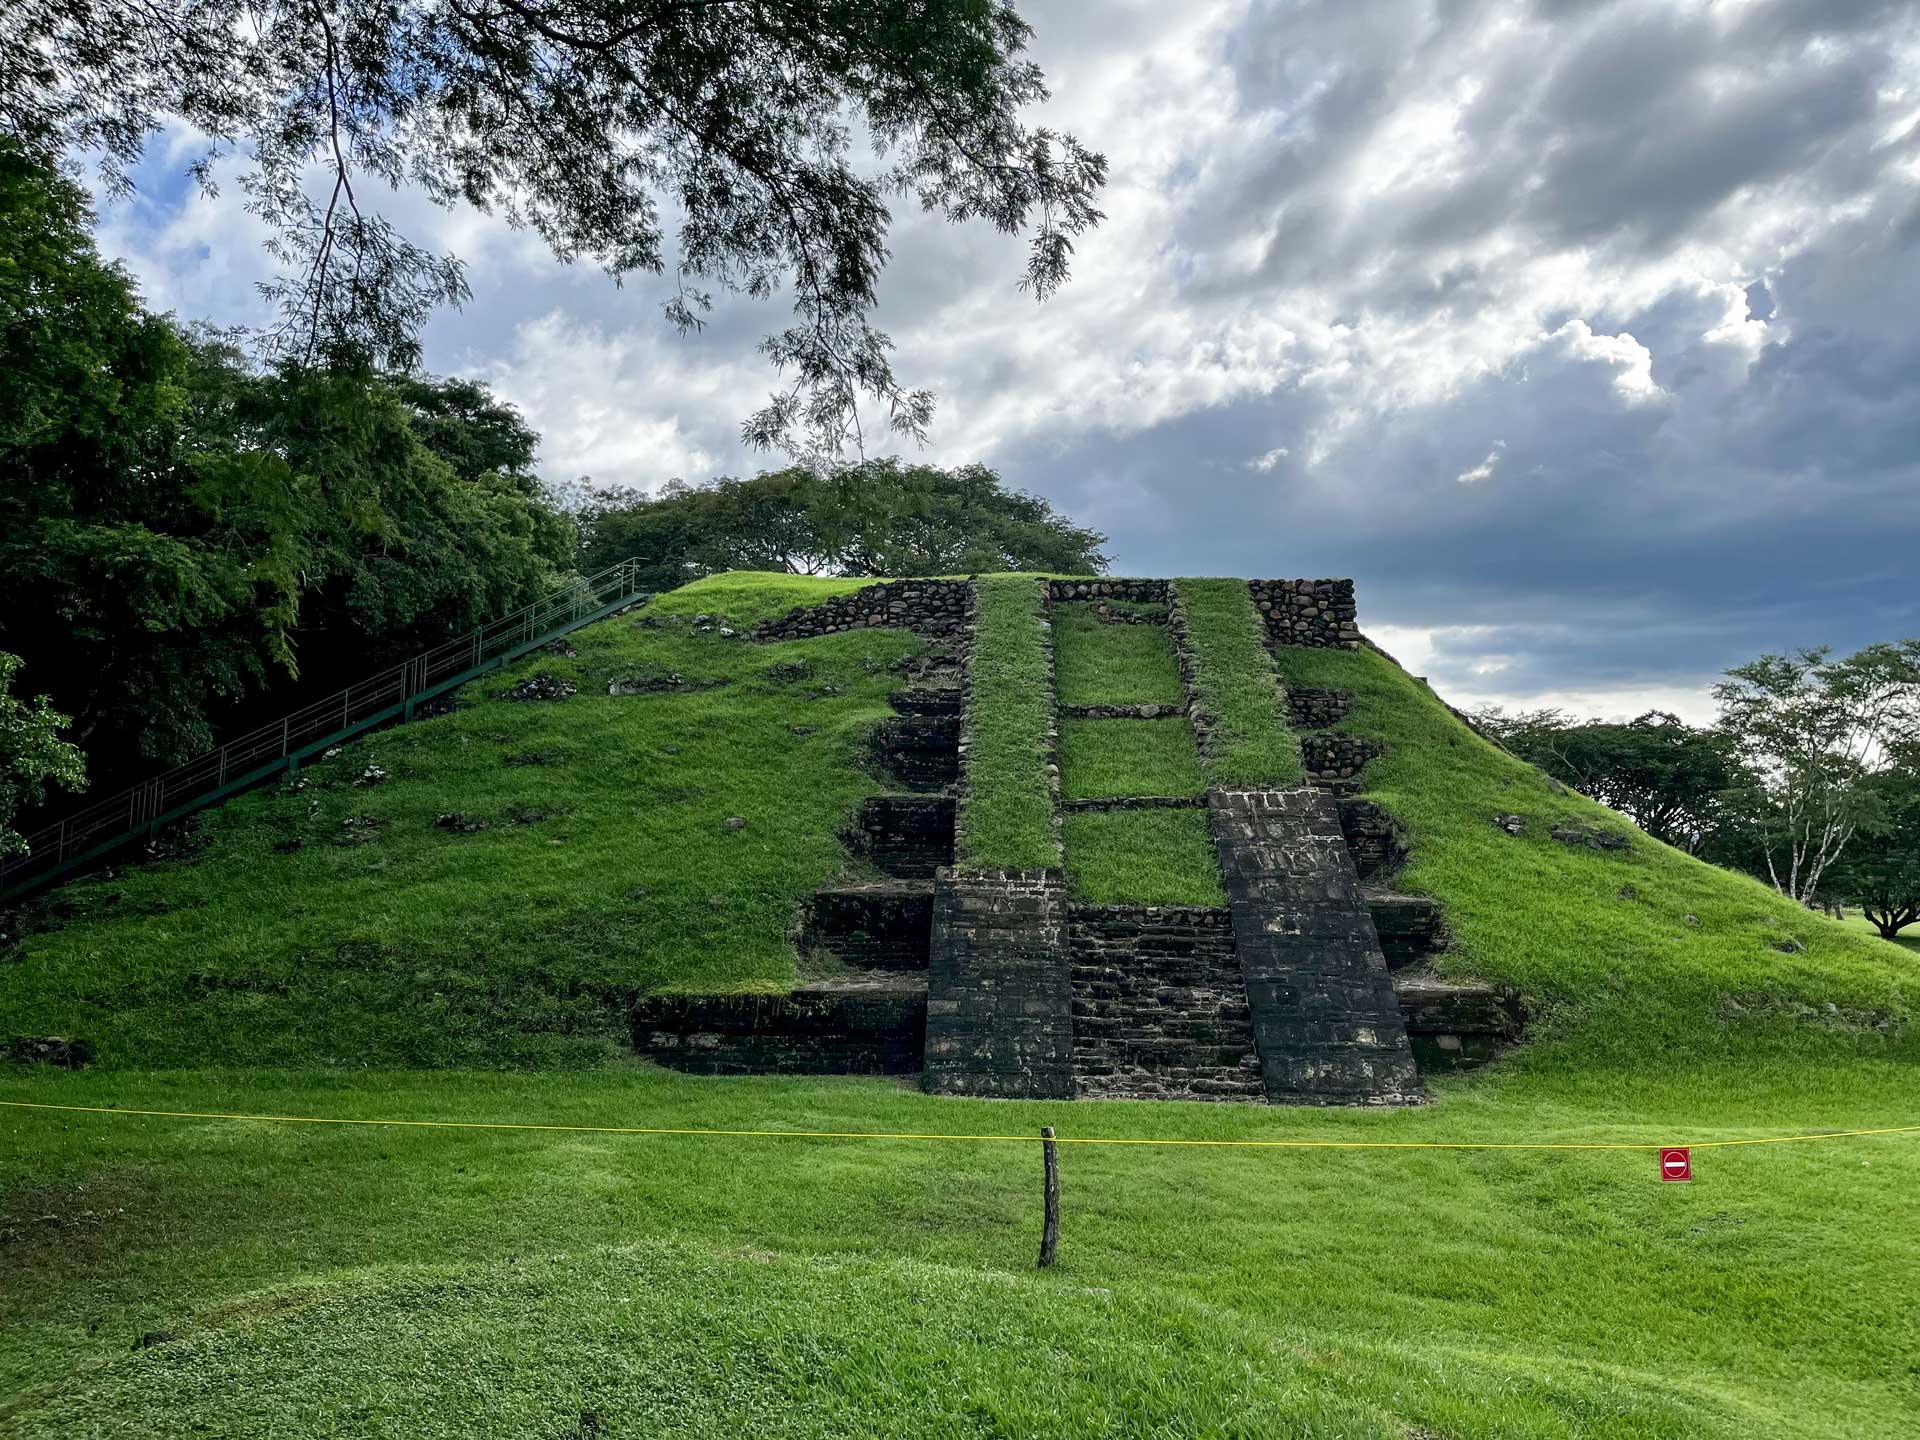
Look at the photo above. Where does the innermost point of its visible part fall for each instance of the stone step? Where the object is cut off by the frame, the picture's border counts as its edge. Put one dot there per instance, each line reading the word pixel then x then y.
pixel 886 925
pixel 1373 839
pixel 1453 1025
pixel 926 701
pixel 1334 761
pixel 908 836
pixel 1410 927
pixel 868 1025
pixel 922 752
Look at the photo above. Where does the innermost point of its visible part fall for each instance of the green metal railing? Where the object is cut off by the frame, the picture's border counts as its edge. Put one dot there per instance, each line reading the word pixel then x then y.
pixel 279 747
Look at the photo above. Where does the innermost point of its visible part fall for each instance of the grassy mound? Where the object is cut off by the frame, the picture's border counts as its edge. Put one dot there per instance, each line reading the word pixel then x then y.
pixel 522 868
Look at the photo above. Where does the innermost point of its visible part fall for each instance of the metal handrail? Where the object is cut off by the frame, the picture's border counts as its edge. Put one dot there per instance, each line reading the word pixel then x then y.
pixel 247 759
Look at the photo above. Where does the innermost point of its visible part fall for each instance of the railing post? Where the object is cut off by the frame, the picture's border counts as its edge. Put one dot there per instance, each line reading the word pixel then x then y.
pixel 285 722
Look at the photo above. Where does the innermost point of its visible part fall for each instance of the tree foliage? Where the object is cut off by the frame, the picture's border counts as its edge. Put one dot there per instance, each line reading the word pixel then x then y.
pixel 1668 777
pixel 32 754
pixel 180 529
pixel 1812 731
pixel 768 138
pixel 880 517
pixel 1880 871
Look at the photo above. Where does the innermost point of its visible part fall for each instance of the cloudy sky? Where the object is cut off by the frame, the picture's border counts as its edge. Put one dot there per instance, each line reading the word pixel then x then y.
pixel 1585 334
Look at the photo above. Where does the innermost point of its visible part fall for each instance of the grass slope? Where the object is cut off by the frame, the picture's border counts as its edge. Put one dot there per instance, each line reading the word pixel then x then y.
pixel 1628 958
pixel 1142 857
pixel 404 1281
pixel 386 940
pixel 1006 814
pixel 1235 688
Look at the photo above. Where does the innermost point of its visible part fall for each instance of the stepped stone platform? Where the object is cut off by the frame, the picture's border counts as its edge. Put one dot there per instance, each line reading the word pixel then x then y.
pixel 1325 1020
pixel 908 836
pixel 1303 989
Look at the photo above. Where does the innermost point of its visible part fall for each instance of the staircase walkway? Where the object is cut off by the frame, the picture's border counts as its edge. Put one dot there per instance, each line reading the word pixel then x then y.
pixel 1325 1020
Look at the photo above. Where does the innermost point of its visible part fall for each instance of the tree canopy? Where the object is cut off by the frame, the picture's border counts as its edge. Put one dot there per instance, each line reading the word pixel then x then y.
pixel 32 754
pixel 767 138
pixel 180 529
pixel 880 517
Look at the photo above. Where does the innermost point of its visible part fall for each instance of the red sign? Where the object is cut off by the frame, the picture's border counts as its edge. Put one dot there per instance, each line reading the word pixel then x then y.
pixel 1676 1164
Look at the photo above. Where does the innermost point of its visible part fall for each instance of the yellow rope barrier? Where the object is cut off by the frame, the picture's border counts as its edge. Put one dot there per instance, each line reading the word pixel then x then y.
pixel 987 1139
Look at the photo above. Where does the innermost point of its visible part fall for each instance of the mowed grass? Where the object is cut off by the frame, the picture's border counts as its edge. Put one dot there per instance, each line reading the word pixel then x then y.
pixel 1623 955
pixel 1908 938
pixel 1103 758
pixel 1142 857
pixel 605 867
pixel 415 1282
pixel 1235 687
pixel 1006 810
pixel 1100 664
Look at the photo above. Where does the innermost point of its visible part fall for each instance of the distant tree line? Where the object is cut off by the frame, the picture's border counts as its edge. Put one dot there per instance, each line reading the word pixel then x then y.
pixel 1809 778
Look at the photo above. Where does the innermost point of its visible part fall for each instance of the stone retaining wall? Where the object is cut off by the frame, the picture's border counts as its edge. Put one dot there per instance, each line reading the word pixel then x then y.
pixel 926 607
pixel 831 1027
pixel 1318 613
pixel 1333 759
pixel 1317 709
pixel 1159 1009
pixel 1139 592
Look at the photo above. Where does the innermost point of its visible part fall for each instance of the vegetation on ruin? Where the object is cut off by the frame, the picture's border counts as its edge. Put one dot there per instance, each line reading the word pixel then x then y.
pixel 1006 814
pixel 1100 664
pixel 521 870
pixel 1103 758
pixel 1240 700
pixel 1142 857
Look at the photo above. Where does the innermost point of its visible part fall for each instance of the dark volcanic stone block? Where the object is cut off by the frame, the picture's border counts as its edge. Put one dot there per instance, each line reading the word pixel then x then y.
pixel 1409 926
pixel 1373 839
pixel 909 836
pixel 1000 986
pixel 1325 1021
pixel 885 926
pixel 927 607
pixel 1159 1010
pixel 1453 1026
pixel 921 751
pixel 868 1026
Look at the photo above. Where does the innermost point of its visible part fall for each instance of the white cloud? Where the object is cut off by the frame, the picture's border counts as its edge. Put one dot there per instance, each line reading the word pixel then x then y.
pixel 1484 470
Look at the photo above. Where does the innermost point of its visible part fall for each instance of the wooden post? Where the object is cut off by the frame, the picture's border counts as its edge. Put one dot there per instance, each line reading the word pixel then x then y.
pixel 1050 1230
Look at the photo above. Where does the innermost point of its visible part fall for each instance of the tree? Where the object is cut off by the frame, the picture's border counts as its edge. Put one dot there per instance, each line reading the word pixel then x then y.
pixel 772 135
pixel 180 529
pixel 1666 776
pixel 32 754
pixel 1880 871
pixel 880 517
pixel 1812 731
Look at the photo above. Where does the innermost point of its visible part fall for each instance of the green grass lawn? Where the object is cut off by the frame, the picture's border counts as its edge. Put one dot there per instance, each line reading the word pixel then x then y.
pixel 1102 758
pixel 1142 857
pixel 403 1282
pixel 605 868
pixel 1006 810
pixel 1100 664
pixel 1908 938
